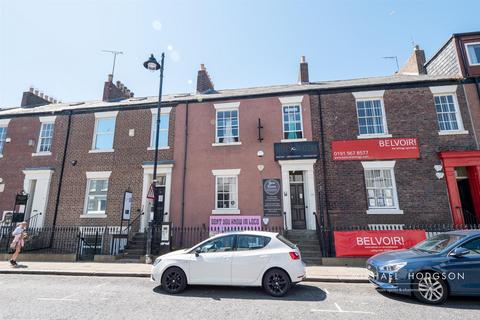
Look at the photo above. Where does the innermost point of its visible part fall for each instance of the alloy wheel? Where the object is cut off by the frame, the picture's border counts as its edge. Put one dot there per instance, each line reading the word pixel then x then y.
pixel 430 288
pixel 174 280
pixel 277 283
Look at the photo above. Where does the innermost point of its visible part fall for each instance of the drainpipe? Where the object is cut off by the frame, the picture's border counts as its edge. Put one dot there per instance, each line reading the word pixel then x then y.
pixel 62 169
pixel 182 223
pixel 324 168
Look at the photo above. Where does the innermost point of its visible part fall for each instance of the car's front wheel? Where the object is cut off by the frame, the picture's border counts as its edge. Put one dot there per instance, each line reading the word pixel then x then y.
pixel 430 288
pixel 174 280
pixel 276 282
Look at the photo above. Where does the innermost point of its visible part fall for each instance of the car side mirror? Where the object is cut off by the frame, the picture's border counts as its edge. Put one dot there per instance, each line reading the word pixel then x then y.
pixel 459 252
pixel 198 251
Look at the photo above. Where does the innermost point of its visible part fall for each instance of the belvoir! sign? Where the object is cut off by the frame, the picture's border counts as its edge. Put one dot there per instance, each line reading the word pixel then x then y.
pixel 374 149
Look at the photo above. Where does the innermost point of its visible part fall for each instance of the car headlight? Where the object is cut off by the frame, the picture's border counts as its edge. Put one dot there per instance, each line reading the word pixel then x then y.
pixel 157 261
pixel 392 267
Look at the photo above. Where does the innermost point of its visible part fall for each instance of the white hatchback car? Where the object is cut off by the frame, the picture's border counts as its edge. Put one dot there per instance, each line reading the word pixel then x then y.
pixel 247 258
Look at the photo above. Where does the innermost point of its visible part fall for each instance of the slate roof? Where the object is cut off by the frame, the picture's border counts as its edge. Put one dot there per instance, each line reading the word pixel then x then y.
pixel 226 94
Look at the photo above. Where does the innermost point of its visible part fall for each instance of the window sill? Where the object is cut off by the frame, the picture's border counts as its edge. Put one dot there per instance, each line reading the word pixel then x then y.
pixel 41 154
pixel 101 150
pixel 384 211
pixel 226 211
pixel 93 216
pixel 218 144
pixel 373 136
pixel 452 132
pixel 293 140
pixel 159 148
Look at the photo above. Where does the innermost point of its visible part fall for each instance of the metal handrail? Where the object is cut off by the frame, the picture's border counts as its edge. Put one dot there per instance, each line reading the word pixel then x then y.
pixel 132 222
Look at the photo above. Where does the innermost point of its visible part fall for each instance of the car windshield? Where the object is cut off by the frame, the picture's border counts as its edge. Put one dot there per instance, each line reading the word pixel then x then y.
pixel 438 243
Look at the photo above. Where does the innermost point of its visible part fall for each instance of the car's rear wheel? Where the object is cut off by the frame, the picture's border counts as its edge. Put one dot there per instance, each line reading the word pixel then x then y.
pixel 430 288
pixel 276 282
pixel 174 280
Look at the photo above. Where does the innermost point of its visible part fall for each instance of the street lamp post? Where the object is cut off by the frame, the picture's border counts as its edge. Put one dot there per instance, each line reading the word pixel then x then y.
pixel 152 65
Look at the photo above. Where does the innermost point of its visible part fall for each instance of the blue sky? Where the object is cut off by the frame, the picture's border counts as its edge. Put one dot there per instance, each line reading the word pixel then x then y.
pixel 56 45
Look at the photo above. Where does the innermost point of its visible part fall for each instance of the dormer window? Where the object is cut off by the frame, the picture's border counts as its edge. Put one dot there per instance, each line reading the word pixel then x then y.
pixel 473 53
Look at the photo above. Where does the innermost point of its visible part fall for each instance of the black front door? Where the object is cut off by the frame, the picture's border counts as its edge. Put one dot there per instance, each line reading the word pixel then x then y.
pixel 467 203
pixel 158 216
pixel 297 201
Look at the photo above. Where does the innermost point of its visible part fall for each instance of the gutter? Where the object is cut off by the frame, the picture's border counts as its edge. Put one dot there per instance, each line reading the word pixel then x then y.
pixel 185 153
pixel 324 169
pixel 60 179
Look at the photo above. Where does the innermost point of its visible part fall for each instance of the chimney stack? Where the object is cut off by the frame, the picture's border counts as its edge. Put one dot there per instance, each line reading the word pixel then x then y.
pixel 115 92
pixel 303 74
pixel 204 83
pixel 414 64
pixel 34 98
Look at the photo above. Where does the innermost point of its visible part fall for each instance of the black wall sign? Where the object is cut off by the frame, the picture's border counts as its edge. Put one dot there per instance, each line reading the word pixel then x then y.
pixel 272 197
pixel 296 150
pixel 21 199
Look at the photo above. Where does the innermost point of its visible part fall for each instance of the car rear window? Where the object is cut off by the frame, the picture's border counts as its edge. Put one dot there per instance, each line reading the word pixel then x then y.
pixel 251 242
pixel 286 241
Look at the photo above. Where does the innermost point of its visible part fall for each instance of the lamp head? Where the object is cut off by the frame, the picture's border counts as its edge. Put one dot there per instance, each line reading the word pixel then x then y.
pixel 151 64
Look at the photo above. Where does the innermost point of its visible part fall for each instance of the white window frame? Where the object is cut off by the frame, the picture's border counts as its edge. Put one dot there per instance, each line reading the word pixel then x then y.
pixel 4 124
pixel 369 96
pixel 98 116
pixel 291 102
pixel 449 91
pixel 163 111
pixel 226 173
pixel 382 165
pixel 95 175
pixel 468 54
pixel 45 120
pixel 229 106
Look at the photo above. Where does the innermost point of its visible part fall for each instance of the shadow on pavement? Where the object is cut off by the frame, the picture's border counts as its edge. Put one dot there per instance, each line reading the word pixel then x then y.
pixel 456 302
pixel 300 292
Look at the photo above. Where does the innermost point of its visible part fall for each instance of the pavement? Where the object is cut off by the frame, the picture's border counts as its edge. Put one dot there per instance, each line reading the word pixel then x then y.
pixel 28 297
pixel 317 273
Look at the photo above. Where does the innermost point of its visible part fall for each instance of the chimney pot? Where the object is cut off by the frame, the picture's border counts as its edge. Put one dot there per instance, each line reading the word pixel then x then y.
pixel 110 77
pixel 31 89
pixel 46 97
pixel 303 77
pixel 36 92
pixel 415 63
pixel 41 95
pixel 204 83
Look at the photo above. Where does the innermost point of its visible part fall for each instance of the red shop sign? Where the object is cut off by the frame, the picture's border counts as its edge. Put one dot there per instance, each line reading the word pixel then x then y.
pixel 368 243
pixel 371 149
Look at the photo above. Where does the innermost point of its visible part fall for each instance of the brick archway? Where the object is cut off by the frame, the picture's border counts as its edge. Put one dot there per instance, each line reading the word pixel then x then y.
pixel 470 160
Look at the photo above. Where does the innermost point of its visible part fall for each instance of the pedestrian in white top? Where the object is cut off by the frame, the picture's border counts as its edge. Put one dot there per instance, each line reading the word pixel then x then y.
pixel 19 236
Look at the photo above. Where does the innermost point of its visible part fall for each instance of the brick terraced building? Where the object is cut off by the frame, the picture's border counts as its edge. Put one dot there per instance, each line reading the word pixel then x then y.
pixel 390 150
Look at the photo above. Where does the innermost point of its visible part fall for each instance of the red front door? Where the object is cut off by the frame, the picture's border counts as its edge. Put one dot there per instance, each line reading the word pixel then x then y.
pixel 461 211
